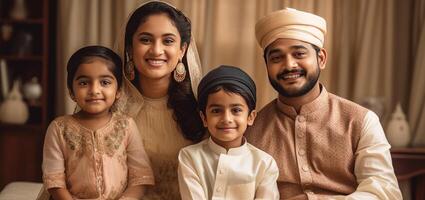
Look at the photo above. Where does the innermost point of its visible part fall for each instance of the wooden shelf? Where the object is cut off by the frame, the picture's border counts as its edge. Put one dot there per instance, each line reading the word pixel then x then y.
pixel 22 57
pixel 20 127
pixel 24 21
pixel 408 150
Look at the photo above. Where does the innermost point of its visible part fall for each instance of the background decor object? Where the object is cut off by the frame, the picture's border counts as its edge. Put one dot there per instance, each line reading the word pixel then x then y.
pixel 19 10
pixel 13 110
pixel 6 32
pixel 4 79
pixel 22 43
pixel 32 90
pixel 398 131
pixel 376 104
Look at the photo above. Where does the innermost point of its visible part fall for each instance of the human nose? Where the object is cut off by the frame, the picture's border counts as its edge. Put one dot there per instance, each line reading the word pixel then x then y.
pixel 227 117
pixel 95 88
pixel 157 48
pixel 290 62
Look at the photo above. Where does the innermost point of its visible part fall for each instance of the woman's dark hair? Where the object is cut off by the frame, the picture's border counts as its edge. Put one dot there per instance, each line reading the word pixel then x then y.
pixel 203 100
pixel 86 54
pixel 181 98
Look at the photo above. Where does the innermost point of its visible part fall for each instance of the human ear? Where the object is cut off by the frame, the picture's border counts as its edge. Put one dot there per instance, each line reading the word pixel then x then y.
pixel 251 117
pixel 204 120
pixel 118 94
pixel 183 50
pixel 322 58
pixel 71 94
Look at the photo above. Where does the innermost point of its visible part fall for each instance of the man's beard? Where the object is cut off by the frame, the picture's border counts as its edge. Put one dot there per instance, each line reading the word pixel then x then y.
pixel 311 82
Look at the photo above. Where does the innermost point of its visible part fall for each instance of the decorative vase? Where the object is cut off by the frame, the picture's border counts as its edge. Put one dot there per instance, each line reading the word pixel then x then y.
pixel 19 10
pixel 398 131
pixel 13 110
pixel 32 90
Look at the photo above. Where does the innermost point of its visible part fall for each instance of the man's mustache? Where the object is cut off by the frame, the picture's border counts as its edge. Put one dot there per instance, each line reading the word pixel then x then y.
pixel 281 75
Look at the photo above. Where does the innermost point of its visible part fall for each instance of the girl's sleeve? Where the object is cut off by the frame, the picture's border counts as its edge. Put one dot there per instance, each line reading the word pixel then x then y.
pixel 53 160
pixel 139 167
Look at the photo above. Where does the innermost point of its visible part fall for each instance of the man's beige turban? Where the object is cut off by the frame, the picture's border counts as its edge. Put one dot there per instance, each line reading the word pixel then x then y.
pixel 292 24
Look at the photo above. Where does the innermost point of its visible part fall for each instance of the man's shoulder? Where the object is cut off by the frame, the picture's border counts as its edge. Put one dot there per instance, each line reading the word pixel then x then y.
pixel 271 107
pixel 346 104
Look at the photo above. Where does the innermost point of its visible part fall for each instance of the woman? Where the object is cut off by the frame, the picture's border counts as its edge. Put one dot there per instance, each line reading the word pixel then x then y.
pixel 162 69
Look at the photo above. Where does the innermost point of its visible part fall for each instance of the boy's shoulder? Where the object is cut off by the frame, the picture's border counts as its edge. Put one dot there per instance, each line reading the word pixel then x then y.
pixel 260 154
pixel 195 147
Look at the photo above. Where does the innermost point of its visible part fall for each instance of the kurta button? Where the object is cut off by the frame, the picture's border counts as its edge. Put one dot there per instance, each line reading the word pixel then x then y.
pixel 300 134
pixel 219 189
pixel 220 171
pixel 305 168
pixel 301 119
pixel 301 152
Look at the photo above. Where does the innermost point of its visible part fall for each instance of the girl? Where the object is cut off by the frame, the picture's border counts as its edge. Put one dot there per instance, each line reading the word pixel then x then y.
pixel 161 68
pixel 95 153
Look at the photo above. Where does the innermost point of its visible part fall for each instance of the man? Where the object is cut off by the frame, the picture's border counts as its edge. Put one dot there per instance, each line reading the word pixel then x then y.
pixel 326 147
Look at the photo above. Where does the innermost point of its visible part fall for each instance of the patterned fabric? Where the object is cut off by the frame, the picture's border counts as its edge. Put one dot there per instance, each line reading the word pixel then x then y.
pixel 332 147
pixel 163 140
pixel 95 164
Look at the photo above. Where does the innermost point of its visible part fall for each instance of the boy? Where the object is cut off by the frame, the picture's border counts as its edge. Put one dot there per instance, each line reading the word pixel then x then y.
pixel 225 166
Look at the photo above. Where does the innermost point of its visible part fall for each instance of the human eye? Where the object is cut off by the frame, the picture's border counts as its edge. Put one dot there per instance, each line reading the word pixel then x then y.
pixel 105 82
pixel 275 58
pixel 299 54
pixel 145 40
pixel 215 110
pixel 237 110
pixel 82 82
pixel 168 41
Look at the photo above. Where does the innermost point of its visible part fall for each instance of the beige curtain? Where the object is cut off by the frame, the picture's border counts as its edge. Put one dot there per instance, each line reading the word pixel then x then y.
pixel 81 23
pixel 374 48
pixel 417 92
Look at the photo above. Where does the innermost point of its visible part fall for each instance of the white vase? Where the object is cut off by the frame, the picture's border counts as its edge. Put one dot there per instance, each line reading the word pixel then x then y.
pixel 32 90
pixel 13 110
pixel 398 131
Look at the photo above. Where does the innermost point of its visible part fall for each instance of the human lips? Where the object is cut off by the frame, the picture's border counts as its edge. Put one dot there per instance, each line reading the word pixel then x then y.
pixel 291 75
pixel 94 100
pixel 156 62
pixel 226 128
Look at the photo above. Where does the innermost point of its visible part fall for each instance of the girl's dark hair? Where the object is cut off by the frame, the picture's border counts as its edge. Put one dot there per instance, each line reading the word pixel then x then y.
pixel 203 100
pixel 86 54
pixel 181 98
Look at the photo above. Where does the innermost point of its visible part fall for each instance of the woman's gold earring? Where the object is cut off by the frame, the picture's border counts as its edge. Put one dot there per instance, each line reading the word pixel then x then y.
pixel 180 72
pixel 129 70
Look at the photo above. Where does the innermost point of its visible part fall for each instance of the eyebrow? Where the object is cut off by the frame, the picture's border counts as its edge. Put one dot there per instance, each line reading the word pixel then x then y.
pixel 218 105
pixel 102 76
pixel 164 35
pixel 294 47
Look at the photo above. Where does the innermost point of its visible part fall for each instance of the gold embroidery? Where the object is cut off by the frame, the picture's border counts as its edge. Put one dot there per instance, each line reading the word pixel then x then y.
pixel 75 138
pixel 113 141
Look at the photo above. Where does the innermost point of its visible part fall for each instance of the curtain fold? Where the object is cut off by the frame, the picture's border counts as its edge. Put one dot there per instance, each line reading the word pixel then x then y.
pixel 417 98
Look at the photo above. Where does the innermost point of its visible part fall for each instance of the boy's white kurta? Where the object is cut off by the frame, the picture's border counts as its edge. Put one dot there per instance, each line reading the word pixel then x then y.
pixel 208 171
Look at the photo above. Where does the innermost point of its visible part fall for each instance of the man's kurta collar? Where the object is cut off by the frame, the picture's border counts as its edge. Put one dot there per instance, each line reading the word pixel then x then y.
pixel 315 105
